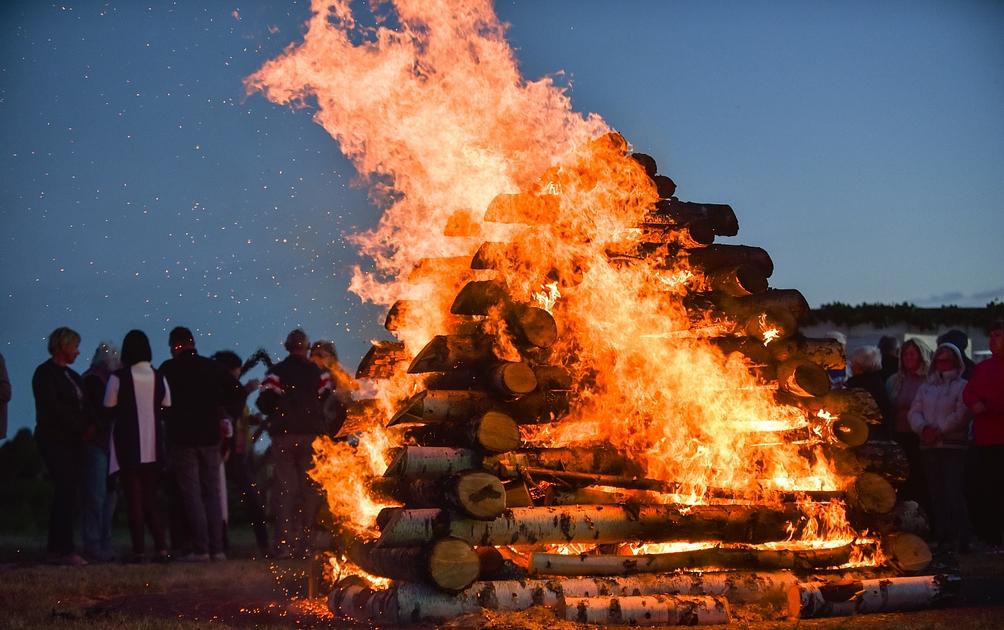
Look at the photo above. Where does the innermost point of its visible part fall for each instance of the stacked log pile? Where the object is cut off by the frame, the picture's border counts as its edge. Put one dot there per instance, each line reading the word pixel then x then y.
pixel 487 520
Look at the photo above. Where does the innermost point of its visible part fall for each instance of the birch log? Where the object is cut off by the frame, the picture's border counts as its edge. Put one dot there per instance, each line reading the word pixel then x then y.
pixel 715 557
pixel 410 602
pixel 871 596
pixel 596 525
pixel 646 610
pixel 450 564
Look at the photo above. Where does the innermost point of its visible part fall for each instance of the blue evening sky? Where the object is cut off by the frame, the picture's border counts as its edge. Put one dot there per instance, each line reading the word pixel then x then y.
pixel 861 143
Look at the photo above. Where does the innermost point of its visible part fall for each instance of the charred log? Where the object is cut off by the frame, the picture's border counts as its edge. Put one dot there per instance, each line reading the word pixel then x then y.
pixel 647 162
pixel 603 460
pixel 720 217
pixel 449 352
pixel 803 378
pixel 382 359
pixel 827 353
pixel 738 281
pixel 715 257
pixel 450 564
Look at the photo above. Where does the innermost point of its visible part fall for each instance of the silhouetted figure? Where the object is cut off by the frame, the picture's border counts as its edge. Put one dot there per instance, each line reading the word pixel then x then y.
pixel 98 501
pixel 239 451
pixel 984 396
pixel 914 363
pixel 889 347
pixel 61 416
pixel 138 394
pixel 200 387
pixel 293 395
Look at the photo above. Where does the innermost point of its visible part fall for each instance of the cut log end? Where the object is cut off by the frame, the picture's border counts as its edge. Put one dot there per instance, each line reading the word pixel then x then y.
pixel 453 564
pixel 907 552
pixel 872 494
pixel 497 432
pixel 480 495
pixel 514 379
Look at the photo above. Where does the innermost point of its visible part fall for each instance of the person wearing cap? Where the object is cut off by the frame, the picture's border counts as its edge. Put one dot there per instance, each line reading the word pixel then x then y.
pixel 293 395
pixel 984 395
pixel 200 387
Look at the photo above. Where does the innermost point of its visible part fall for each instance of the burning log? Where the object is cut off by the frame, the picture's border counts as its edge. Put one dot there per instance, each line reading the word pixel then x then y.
pixel 432 461
pixel 651 610
pixel 525 208
pixel 579 479
pixel 827 353
pixel 719 216
pixel 405 310
pixel 552 377
pixel 738 281
pixel 647 162
pixel 601 459
pixel 841 402
pixel 449 563
pixel 462 223
pixel 449 352
pixel 657 234
pixel 457 405
pixel 476 494
pixel 455 269
pixel 771 323
pixel 492 431
pixel 772 300
pixel 517 494
pixel 595 525
pixel 882 457
pixel 534 325
pixel 664 186
pixel 479 297
pixel 715 257
pixel 871 596
pixel 718 557
pixel 382 359
pixel 556 495
pixel 803 378
pixel 845 432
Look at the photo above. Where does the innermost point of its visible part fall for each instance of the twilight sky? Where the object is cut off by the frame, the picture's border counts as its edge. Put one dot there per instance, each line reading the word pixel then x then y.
pixel 861 145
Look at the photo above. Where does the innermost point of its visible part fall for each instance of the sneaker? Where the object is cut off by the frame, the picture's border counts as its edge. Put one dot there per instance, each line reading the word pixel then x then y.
pixel 219 556
pixel 194 557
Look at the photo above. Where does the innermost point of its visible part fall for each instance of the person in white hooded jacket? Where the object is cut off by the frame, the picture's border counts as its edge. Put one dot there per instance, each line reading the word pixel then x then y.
pixel 940 417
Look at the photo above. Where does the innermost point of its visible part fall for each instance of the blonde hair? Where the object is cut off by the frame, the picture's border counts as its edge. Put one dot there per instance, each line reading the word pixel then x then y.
pixel 61 338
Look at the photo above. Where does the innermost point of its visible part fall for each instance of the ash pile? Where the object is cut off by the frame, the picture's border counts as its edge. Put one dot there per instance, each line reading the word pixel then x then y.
pixel 507 495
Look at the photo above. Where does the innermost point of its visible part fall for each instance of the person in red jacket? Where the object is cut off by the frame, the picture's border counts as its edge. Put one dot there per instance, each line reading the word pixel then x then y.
pixel 984 395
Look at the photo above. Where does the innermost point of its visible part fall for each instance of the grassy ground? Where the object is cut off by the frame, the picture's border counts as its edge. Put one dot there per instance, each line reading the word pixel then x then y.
pixel 246 593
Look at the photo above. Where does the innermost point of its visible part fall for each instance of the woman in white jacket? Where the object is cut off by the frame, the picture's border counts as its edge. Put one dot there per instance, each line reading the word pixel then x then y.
pixel 941 419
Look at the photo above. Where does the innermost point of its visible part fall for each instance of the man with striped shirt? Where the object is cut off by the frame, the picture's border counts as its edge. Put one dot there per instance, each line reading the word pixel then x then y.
pixel 292 395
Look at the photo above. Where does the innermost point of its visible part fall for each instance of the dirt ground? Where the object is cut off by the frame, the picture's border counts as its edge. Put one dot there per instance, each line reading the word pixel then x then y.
pixel 245 593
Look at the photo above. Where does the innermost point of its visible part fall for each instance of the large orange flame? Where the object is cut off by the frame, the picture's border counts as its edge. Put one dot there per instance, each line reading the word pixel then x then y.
pixel 430 106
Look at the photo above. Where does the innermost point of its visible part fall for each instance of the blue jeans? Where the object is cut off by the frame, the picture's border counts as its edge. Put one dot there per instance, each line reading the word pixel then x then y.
pixel 95 511
pixel 197 471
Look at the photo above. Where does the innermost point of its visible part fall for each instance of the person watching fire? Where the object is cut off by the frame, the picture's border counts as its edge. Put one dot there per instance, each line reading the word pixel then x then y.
pixel 293 395
pixel 984 395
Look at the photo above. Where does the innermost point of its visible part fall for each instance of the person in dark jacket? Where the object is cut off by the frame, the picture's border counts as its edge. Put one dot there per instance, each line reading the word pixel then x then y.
pixel 889 346
pixel 138 394
pixel 98 504
pixel 4 397
pixel 239 468
pixel 293 395
pixel 200 388
pixel 61 416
